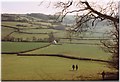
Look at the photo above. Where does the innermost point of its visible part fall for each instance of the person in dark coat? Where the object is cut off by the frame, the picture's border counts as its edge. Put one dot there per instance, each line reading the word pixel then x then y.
pixel 76 67
pixel 73 67
pixel 103 75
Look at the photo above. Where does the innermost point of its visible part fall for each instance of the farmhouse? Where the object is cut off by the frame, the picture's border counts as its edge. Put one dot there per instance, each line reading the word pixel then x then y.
pixel 54 42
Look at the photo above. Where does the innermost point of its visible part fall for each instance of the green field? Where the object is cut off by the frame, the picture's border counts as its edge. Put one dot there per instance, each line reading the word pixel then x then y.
pixel 20 46
pixel 43 23
pixel 29 29
pixel 6 31
pixel 86 42
pixel 39 30
pixel 49 68
pixel 30 36
pixel 15 23
pixel 77 50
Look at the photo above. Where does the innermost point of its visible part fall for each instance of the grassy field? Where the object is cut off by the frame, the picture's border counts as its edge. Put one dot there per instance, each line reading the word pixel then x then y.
pixel 30 29
pixel 15 23
pixel 60 34
pixel 81 41
pixel 39 30
pixel 45 67
pixel 49 68
pixel 28 25
pixel 5 31
pixel 77 50
pixel 43 23
pixel 30 36
pixel 33 28
pixel 20 46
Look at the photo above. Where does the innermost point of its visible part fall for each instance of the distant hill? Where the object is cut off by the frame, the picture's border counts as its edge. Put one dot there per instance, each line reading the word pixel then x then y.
pixel 15 17
pixel 41 16
pixel 69 19
pixel 23 17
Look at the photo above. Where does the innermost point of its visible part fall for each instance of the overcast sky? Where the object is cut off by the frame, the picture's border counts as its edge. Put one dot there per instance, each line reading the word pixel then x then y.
pixel 32 6
pixel 26 7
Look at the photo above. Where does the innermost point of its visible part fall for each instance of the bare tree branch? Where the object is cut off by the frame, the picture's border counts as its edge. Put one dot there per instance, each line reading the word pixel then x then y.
pixel 92 15
pixel 100 14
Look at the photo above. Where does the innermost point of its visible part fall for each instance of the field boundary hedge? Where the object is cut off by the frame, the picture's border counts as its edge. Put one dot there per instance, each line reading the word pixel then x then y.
pixel 10 27
pixel 31 33
pixel 26 50
pixel 82 43
pixel 64 56
pixel 35 48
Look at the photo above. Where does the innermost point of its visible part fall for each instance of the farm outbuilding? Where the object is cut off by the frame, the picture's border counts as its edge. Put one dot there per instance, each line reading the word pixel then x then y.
pixel 54 42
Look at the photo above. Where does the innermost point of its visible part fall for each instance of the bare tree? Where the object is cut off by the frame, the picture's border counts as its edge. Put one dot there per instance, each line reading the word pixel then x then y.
pixel 95 13
pixel 51 37
pixel 69 34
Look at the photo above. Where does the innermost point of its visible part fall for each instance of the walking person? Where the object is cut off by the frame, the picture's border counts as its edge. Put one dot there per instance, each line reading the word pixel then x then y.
pixel 73 67
pixel 103 75
pixel 76 67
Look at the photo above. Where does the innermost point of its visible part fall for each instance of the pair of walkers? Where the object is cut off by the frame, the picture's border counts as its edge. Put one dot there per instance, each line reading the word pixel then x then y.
pixel 75 67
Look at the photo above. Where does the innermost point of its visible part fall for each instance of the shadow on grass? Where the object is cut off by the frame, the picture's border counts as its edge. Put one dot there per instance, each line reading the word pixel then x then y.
pixel 72 70
pixel 112 76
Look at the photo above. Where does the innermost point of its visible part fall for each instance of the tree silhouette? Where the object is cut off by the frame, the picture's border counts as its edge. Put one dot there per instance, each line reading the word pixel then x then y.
pixel 95 14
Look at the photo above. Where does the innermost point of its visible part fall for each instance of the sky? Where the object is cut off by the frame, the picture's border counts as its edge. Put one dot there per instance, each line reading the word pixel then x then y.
pixel 26 7
pixel 32 6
